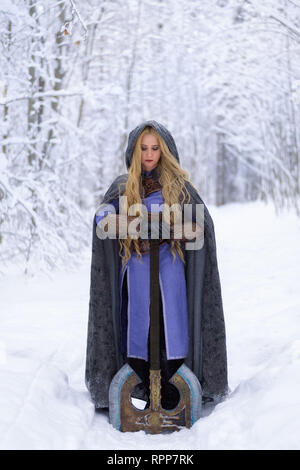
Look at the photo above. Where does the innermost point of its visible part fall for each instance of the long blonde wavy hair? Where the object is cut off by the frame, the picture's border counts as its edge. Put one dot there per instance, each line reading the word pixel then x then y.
pixel 172 179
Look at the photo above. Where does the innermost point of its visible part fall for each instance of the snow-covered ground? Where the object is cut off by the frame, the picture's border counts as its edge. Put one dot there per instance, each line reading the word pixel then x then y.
pixel 43 400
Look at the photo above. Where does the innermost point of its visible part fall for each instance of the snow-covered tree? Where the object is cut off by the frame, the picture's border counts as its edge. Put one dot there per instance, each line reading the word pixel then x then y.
pixel 76 76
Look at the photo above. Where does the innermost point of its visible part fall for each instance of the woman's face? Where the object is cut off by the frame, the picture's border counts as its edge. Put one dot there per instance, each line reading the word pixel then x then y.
pixel 150 151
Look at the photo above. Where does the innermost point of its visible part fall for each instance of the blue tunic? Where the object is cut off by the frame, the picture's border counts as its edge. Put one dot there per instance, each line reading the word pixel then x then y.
pixel 173 292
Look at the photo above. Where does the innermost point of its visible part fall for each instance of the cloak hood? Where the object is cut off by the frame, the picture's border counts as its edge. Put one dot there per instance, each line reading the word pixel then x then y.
pixel 207 356
pixel 163 132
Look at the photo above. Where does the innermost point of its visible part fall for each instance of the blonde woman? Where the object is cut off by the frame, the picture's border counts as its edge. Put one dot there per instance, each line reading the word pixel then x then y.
pixel 192 326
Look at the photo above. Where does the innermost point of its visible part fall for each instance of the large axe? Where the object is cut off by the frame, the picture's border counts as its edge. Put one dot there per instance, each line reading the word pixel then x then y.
pixel 123 415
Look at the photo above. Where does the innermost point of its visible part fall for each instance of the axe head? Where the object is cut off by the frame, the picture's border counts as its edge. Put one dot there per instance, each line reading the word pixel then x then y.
pixel 124 416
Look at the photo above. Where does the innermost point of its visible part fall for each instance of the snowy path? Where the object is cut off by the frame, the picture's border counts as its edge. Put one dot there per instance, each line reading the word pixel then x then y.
pixel 43 400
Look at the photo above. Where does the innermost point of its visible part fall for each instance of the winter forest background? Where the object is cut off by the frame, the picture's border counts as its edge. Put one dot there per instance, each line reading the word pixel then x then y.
pixel 77 76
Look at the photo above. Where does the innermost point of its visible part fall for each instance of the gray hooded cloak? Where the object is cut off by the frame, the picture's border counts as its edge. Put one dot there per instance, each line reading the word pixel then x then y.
pixel 207 356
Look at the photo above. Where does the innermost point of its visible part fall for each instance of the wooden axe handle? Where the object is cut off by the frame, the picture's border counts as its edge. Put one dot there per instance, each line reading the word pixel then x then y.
pixel 154 305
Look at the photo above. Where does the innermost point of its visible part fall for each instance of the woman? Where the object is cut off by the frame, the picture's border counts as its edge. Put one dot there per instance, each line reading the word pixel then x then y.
pixel 191 313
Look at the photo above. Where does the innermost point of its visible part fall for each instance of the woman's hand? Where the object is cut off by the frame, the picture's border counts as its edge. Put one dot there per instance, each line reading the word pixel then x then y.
pixel 116 225
pixel 119 225
pixel 192 230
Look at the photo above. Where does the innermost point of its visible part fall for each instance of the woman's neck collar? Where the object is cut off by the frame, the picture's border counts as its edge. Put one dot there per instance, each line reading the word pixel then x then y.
pixel 154 172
